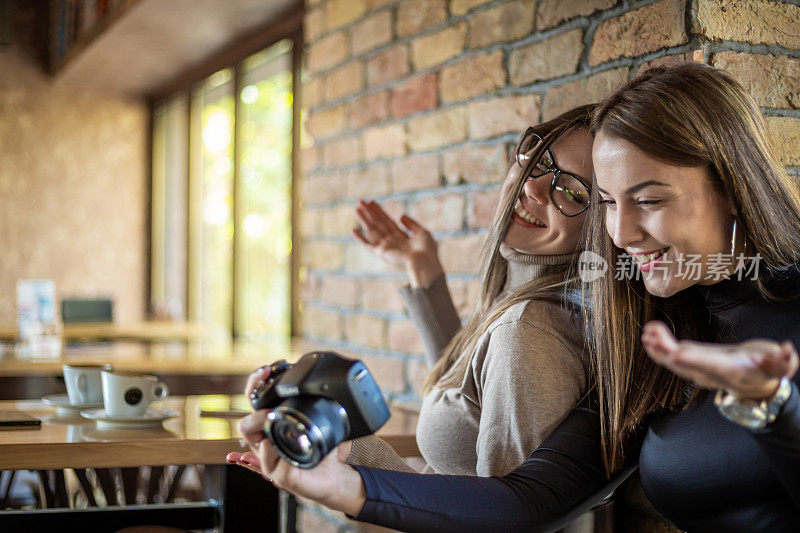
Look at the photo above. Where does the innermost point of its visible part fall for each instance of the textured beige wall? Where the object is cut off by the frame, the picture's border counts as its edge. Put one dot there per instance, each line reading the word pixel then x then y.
pixel 73 184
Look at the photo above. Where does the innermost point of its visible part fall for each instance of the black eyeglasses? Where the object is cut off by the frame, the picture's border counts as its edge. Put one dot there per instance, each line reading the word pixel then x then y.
pixel 569 193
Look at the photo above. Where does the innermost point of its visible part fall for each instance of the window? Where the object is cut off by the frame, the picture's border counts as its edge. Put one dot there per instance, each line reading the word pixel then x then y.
pixel 222 200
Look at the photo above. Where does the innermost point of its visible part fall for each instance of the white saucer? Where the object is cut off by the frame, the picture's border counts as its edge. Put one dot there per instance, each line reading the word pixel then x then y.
pixel 64 408
pixel 151 419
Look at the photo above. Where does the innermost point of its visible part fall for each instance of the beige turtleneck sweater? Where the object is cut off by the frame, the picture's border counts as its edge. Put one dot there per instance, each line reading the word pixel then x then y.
pixel 524 376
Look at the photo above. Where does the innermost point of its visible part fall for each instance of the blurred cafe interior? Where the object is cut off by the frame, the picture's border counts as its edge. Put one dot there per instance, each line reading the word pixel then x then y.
pixel 178 184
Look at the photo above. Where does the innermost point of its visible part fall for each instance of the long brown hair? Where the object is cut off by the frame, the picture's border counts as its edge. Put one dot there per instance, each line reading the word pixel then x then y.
pixel 450 369
pixel 687 115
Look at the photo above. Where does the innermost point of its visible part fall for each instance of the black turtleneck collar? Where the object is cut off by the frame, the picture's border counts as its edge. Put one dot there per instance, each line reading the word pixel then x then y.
pixel 739 311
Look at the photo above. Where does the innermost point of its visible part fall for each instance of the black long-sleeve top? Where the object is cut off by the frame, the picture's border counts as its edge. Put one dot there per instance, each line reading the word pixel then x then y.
pixel 700 470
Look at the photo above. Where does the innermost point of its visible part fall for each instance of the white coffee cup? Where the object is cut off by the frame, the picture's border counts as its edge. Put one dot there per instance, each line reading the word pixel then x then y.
pixel 83 383
pixel 128 394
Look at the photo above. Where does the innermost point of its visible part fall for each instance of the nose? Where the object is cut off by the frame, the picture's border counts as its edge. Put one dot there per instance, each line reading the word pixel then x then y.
pixel 624 227
pixel 538 189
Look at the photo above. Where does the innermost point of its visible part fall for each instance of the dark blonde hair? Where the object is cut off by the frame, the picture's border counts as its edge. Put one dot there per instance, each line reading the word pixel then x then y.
pixel 450 369
pixel 690 115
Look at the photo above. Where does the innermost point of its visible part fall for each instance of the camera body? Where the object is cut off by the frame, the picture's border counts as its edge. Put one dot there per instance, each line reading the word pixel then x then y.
pixel 317 403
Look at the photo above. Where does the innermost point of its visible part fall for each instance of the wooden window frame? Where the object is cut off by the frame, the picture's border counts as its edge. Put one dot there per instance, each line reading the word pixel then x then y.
pixel 287 25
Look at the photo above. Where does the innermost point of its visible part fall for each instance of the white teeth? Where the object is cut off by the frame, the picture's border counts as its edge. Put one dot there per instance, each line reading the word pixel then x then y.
pixel 527 217
pixel 642 259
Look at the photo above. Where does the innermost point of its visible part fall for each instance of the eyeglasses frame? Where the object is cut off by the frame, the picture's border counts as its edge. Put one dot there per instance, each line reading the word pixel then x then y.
pixel 557 172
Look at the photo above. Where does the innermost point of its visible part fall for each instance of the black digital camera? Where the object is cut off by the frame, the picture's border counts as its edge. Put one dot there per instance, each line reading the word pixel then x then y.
pixel 316 403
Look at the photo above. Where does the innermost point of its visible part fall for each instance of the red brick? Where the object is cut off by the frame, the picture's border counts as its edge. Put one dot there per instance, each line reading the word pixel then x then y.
pixel 785 135
pixel 475 164
pixel 413 16
pixel 323 188
pixel 312 94
pixel 436 48
pixel 460 254
pixel 372 32
pixel 388 65
pixel 368 331
pixel 344 12
pixel 460 7
pixel 309 286
pixel 458 292
pixel 501 24
pixel 444 212
pixel 360 260
pixel 551 13
pixel 415 95
pixel 341 152
pixel 328 52
pixel 489 118
pixel 369 109
pixel 551 58
pixel 327 122
pixel 694 55
pixel 388 372
pixel 313 24
pixel 310 221
pixel 344 81
pixel 338 221
pixel 752 21
pixel 343 292
pixel 481 206
pixel 417 373
pixel 640 31
pixel 773 81
pixel 322 323
pixel 584 91
pixel 472 76
pixel 382 295
pixel 375 4
pixel 471 294
pixel 385 141
pixel 403 337
pixel 416 172
pixel 323 255
pixel 436 129
pixel 310 159
pixel 368 182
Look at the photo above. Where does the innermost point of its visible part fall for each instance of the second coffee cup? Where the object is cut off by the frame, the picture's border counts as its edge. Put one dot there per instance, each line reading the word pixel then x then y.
pixel 83 383
pixel 128 394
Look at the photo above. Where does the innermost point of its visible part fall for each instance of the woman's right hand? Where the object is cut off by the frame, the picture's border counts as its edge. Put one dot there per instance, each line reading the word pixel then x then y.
pixel 415 250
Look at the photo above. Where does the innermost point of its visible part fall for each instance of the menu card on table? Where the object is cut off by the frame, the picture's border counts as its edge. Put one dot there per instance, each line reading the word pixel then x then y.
pixel 37 322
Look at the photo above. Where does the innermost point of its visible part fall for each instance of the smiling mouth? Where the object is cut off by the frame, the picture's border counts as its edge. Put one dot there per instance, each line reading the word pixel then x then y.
pixel 645 261
pixel 522 213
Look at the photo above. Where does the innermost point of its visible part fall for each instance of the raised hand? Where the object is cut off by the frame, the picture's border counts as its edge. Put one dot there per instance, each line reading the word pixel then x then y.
pixel 413 250
pixel 749 370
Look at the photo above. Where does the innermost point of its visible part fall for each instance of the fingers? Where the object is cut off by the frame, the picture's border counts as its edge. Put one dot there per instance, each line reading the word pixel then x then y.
pixel 412 225
pixel 261 374
pixel 792 358
pixel 252 427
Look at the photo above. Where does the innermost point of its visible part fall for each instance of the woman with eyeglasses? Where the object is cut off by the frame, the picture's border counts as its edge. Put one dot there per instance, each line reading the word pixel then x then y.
pixel 502 382
pixel 687 176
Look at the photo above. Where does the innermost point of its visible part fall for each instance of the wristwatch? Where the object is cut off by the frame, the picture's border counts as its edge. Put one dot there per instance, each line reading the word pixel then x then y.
pixel 750 413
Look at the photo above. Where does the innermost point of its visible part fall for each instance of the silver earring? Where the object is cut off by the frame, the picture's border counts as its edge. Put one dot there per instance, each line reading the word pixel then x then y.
pixel 733 238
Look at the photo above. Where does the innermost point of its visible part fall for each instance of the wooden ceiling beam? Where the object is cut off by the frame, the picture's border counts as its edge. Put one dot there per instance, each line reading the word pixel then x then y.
pixel 284 25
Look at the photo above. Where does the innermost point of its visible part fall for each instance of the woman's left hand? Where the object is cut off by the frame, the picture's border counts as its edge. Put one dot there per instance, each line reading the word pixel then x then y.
pixel 331 483
pixel 749 370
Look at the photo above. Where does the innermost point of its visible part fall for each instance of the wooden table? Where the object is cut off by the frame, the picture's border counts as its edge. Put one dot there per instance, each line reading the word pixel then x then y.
pixel 151 331
pixel 186 368
pixel 188 438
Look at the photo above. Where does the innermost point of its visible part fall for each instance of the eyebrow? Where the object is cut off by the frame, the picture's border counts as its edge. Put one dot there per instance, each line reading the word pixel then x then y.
pixel 639 186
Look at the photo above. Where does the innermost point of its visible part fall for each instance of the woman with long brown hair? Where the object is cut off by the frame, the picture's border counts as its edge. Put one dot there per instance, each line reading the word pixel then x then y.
pixel 690 190
pixel 502 382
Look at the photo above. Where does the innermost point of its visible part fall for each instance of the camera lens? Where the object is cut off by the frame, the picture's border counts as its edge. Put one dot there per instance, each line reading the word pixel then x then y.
pixel 305 429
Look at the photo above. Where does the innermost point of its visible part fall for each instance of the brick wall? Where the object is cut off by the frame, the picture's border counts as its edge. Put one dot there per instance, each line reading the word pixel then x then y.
pixel 416 103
